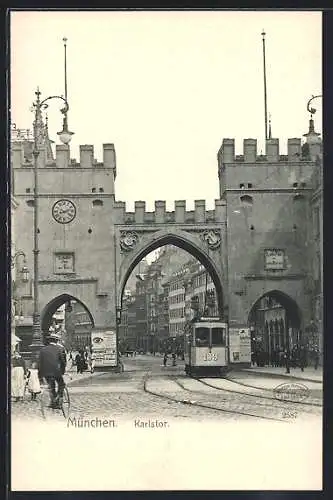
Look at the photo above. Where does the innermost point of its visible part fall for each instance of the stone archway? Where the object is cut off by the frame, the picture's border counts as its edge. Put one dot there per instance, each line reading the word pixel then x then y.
pixel 275 320
pixel 52 306
pixel 209 258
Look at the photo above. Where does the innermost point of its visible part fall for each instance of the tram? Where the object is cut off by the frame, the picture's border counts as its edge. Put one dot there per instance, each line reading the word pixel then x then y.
pixel 206 349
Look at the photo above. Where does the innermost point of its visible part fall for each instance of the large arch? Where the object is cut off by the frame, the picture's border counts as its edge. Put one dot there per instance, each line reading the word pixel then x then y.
pixel 51 307
pixel 186 242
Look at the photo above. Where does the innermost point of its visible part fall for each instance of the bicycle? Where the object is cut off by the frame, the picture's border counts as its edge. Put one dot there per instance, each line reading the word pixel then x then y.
pixel 63 403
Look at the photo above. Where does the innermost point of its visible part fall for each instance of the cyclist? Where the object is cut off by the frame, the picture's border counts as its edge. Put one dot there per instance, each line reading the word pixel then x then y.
pixel 52 366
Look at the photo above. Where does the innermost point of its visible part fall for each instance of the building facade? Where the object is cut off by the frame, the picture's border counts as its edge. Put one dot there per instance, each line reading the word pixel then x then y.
pixel 262 239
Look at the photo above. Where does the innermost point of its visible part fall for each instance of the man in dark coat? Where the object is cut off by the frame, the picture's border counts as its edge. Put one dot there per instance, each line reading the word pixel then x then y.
pixel 52 366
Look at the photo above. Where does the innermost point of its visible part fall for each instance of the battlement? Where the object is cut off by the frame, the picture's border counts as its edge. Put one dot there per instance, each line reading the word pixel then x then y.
pixel 22 156
pixel 178 216
pixel 226 153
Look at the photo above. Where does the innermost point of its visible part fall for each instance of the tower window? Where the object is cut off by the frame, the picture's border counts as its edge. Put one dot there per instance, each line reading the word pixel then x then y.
pixel 97 203
pixel 101 190
pixel 30 203
pixel 295 184
pixel 249 185
pixel 246 199
pixel 27 190
pixel 242 186
pixel 93 190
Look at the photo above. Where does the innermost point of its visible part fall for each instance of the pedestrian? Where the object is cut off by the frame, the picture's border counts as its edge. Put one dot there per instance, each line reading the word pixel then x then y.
pixel 302 358
pixel 92 363
pixel 316 357
pixel 173 359
pixel 165 359
pixel 33 384
pixel 52 366
pixel 287 360
pixel 18 372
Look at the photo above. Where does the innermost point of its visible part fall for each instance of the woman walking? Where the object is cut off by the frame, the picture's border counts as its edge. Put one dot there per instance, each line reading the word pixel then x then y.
pixel 18 377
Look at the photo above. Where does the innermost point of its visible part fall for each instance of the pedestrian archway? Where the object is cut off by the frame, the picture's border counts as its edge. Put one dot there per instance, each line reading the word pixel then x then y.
pixel 275 322
pixel 74 330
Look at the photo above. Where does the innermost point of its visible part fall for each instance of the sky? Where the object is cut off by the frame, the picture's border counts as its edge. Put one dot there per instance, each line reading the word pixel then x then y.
pixel 166 87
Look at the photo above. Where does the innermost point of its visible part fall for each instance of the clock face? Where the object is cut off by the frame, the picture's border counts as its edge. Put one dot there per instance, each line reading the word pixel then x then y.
pixel 64 211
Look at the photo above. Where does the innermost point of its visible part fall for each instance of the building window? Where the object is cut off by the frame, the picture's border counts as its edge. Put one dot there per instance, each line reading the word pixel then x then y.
pixel 97 203
pixel 246 199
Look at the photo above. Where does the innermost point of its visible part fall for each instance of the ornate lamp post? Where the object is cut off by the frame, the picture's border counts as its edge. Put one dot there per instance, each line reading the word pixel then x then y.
pixel 24 270
pixel 16 309
pixel 312 110
pixel 38 134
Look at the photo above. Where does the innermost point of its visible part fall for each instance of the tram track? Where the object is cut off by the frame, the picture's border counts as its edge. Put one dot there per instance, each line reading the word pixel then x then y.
pixel 257 396
pixel 198 404
pixel 277 404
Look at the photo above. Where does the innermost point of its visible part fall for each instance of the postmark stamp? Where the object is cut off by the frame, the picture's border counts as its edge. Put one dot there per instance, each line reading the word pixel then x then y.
pixel 291 392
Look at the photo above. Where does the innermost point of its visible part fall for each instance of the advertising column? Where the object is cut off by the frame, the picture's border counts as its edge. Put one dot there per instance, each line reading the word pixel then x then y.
pixel 104 348
pixel 240 345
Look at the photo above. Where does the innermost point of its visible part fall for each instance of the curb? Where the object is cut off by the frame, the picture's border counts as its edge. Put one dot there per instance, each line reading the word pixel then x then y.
pixel 282 375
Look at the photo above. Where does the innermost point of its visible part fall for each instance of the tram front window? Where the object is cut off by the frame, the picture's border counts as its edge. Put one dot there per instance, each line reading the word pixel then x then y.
pixel 202 337
pixel 218 337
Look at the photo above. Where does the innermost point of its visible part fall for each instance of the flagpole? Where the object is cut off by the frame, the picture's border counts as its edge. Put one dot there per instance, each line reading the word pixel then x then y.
pixel 265 87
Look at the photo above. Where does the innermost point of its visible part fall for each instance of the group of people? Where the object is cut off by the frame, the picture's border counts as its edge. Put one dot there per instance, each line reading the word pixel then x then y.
pixel 298 356
pixel 83 360
pixel 50 367
pixel 166 357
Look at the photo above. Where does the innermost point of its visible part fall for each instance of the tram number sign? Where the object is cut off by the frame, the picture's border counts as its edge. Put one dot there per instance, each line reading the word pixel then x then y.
pixel 210 356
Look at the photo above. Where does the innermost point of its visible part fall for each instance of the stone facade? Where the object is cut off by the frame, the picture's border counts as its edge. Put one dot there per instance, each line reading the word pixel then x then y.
pixel 255 241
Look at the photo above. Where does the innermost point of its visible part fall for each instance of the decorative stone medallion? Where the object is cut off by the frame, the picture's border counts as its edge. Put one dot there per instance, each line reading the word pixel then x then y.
pixel 128 240
pixel 212 238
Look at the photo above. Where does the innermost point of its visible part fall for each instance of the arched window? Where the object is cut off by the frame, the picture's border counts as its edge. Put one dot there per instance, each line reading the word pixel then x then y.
pixel 97 203
pixel 246 199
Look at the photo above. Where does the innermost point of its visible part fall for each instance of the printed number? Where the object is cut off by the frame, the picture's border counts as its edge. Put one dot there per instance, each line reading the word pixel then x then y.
pixel 289 414
pixel 210 356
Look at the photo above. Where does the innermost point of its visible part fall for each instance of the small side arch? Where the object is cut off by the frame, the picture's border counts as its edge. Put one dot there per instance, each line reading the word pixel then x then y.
pixel 53 305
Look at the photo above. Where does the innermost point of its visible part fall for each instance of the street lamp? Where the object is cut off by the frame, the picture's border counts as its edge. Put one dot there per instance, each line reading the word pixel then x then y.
pixel 38 133
pixel 312 110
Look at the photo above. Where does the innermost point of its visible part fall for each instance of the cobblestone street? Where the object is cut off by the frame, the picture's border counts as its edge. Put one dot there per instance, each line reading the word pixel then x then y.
pixel 144 410
pixel 146 389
